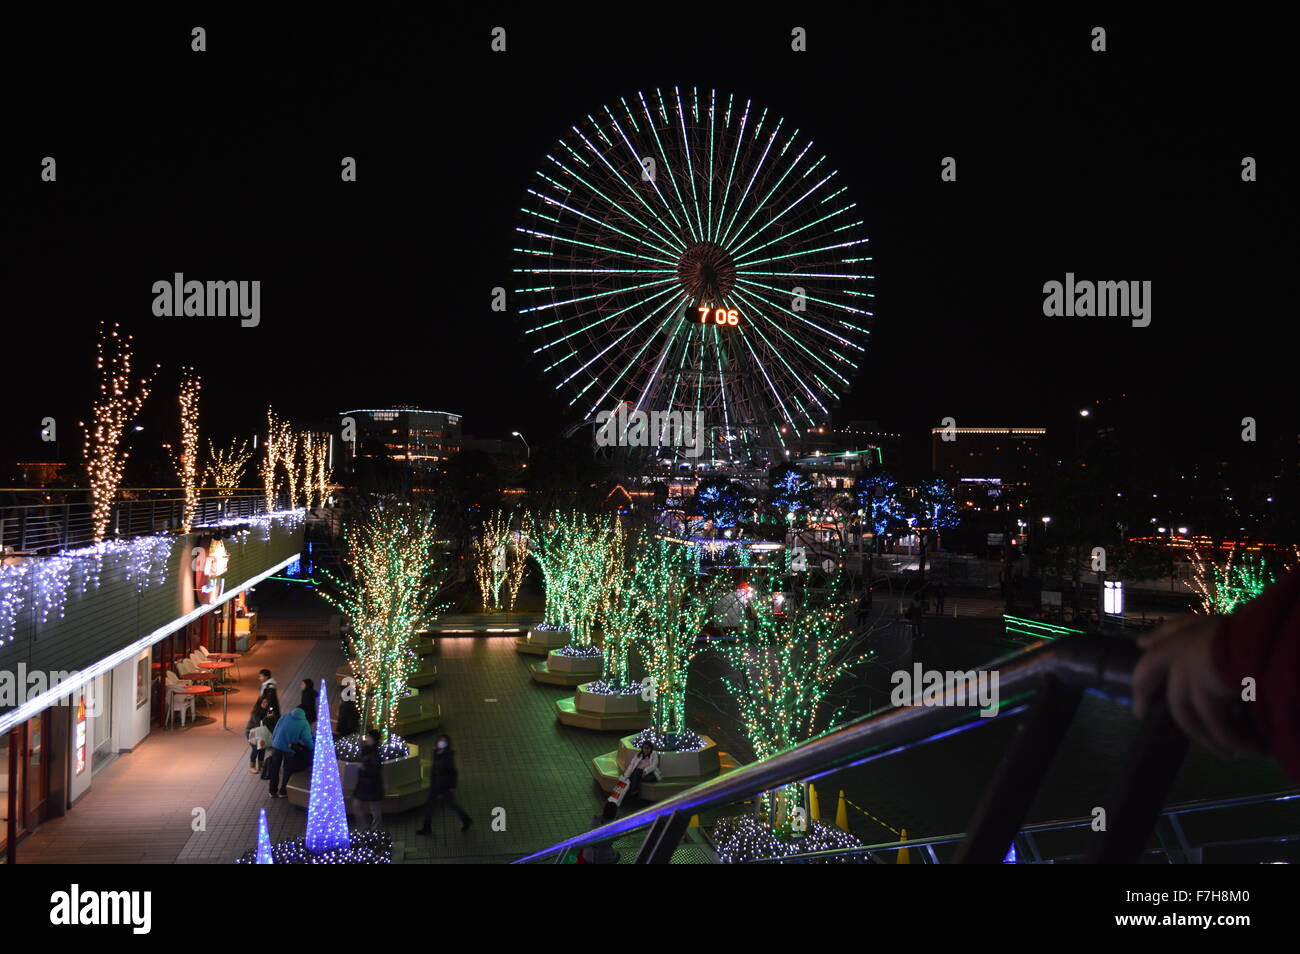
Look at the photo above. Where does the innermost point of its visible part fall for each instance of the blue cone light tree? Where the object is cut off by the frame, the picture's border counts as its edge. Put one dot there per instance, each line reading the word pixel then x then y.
pixel 327 814
pixel 263 840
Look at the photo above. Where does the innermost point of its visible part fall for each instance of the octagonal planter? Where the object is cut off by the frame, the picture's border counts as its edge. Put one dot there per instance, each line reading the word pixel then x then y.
pixel 621 712
pixel 539 642
pixel 560 670
pixel 405 785
pixel 678 770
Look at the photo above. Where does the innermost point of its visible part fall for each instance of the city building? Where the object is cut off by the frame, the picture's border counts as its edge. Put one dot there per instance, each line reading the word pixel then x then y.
pixel 1008 455
pixel 418 437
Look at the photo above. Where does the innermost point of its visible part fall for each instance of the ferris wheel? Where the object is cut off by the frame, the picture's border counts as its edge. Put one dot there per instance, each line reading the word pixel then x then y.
pixel 689 250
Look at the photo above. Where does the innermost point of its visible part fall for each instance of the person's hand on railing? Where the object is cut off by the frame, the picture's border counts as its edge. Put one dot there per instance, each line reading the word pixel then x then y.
pixel 1178 660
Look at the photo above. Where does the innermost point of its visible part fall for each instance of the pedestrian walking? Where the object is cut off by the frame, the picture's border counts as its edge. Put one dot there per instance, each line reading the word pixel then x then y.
pixel 369 792
pixel 442 784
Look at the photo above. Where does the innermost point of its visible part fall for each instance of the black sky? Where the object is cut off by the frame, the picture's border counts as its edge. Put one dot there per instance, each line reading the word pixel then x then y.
pixel 225 164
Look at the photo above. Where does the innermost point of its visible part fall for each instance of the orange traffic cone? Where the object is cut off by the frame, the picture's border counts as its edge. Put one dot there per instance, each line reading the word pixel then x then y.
pixel 814 806
pixel 904 854
pixel 842 813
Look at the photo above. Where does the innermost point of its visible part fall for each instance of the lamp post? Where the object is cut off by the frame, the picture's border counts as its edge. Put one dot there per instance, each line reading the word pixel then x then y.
pixel 527 450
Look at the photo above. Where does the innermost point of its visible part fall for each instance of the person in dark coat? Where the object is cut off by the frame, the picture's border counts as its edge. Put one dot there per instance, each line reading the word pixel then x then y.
pixel 261 711
pixel 349 722
pixel 292 737
pixel 270 688
pixel 443 784
pixel 369 792
pixel 307 702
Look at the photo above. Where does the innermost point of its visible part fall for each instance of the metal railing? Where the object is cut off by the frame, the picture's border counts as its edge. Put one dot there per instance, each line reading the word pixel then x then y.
pixel 1046 682
pixel 1180 849
pixel 65 519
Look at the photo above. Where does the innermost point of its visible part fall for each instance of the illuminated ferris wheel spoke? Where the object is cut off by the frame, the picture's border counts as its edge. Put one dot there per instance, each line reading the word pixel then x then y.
pixel 740 203
pixel 708 232
pixel 794 375
pixel 592 245
pixel 617 340
pixel 679 295
pixel 812 324
pixel 735 155
pixel 656 374
pixel 653 180
pixel 768 378
pixel 606 225
pixel 719 350
pixel 787 236
pixel 650 339
pixel 661 236
pixel 628 187
pixel 740 243
pixel 601 320
pixel 690 169
pixel 667 164
pixel 811 251
pixel 812 298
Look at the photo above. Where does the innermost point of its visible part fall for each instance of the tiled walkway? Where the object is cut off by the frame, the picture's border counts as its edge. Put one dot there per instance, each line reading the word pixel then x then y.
pixel 140 809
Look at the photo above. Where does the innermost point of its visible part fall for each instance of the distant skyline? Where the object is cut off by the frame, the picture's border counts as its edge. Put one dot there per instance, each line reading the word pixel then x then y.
pixel 225 166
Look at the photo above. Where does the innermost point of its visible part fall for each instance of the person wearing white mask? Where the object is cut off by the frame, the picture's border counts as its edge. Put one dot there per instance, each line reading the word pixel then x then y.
pixel 443 784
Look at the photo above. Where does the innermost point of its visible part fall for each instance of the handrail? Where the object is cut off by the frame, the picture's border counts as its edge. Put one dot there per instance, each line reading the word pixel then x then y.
pixel 1091 662
pixel 1083 821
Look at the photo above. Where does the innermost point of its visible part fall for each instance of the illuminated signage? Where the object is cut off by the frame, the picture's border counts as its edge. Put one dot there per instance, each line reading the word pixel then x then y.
pixel 718 316
pixel 210 565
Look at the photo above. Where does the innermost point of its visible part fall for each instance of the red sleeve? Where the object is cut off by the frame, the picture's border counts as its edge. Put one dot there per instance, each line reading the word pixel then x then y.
pixel 1262 640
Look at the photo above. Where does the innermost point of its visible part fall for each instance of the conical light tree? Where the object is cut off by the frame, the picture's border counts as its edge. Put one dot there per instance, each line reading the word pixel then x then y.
pixel 327 813
pixel 784 666
pixel 389 592
pixel 263 840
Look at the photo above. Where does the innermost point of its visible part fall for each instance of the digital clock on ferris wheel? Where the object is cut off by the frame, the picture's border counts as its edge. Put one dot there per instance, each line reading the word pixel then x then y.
pixel 722 317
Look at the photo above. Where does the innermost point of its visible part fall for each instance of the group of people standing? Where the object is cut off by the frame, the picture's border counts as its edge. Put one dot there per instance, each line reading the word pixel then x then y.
pixel 280 743
pixel 289 739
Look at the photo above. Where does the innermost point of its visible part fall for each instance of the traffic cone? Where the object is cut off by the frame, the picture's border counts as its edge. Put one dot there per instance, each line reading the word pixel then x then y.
pixel 842 813
pixel 814 806
pixel 695 822
pixel 904 854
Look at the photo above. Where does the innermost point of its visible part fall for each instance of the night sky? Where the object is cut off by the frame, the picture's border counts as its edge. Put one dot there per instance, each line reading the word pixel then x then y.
pixel 1122 165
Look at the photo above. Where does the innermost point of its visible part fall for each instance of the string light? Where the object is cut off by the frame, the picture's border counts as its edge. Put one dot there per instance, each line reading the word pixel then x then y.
pixel 675 604
pixel 388 594
pixel 226 467
pixel 783 666
pixel 490 558
pixel 263 839
pixel 742 838
pixel 186 460
pixel 1221 589
pixel 327 814
pixel 517 562
pixel 120 398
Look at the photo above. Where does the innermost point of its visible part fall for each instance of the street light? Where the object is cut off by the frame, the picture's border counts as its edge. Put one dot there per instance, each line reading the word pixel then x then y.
pixel 527 449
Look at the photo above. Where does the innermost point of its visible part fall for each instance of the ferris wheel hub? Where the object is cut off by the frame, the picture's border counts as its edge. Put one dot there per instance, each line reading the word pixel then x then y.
pixel 707 272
